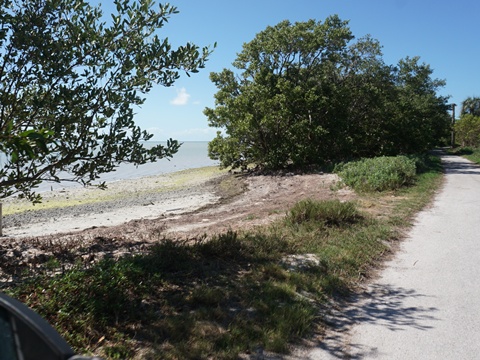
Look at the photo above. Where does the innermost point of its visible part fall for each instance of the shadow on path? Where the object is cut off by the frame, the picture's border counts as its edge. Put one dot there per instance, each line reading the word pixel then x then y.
pixel 454 164
pixel 380 305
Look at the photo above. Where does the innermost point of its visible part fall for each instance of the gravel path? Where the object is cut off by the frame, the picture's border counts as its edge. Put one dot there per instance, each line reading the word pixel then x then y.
pixel 425 303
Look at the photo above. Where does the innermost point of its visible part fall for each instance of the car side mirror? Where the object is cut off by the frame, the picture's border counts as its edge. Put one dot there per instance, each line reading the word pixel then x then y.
pixel 25 335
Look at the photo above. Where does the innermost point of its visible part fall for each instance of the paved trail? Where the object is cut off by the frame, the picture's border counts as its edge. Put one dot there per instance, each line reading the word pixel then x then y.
pixel 426 304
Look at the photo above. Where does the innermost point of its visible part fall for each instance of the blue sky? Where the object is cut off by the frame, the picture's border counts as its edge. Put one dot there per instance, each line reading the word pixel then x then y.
pixel 445 34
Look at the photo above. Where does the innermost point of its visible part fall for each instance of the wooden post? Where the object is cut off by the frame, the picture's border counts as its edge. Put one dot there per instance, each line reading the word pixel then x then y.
pixel 453 125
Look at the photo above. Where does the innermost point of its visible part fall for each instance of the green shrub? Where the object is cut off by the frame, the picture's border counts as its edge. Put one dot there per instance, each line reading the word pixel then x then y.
pixel 378 174
pixel 468 130
pixel 467 150
pixel 425 163
pixel 328 212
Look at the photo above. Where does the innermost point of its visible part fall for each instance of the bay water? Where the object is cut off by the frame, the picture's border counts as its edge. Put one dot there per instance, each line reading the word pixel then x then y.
pixel 191 155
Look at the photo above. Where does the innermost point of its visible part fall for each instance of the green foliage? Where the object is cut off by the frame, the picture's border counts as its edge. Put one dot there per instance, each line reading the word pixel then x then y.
pixel 420 118
pixel 378 174
pixel 70 82
pixel 467 130
pixel 471 106
pixel 305 94
pixel 462 151
pixel 427 163
pixel 326 213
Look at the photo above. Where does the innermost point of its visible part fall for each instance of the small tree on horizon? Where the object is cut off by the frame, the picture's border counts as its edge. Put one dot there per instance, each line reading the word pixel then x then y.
pixel 471 105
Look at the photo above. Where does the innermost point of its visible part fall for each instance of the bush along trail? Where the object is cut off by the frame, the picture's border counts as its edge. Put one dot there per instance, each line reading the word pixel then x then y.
pixel 237 293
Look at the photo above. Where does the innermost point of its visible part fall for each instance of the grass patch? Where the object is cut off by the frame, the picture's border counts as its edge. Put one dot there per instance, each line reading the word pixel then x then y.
pixel 378 174
pixel 427 183
pixel 397 208
pixel 236 293
pixel 324 213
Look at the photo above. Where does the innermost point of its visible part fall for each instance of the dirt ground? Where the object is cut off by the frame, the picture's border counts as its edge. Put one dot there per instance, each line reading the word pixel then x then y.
pixel 264 199
pixel 244 202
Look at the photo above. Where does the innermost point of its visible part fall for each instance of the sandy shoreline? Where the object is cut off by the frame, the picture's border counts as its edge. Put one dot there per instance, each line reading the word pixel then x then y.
pixel 75 209
pixel 86 225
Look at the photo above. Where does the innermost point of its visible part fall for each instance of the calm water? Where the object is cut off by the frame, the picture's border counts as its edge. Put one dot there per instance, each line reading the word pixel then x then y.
pixel 192 154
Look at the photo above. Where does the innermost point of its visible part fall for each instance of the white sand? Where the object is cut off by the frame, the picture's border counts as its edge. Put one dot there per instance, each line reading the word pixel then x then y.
pixel 76 209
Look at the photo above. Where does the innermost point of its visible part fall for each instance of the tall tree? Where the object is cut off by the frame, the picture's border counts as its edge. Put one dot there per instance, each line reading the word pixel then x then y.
pixel 69 84
pixel 303 94
pixel 274 110
pixel 420 115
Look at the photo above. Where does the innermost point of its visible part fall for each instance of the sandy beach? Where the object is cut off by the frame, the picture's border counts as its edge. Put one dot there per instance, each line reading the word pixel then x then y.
pixel 183 204
pixel 79 208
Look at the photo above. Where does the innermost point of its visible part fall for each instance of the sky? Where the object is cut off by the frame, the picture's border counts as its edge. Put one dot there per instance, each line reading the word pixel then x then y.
pixel 445 34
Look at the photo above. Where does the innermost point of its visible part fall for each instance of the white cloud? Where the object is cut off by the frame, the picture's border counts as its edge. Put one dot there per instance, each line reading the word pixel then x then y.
pixel 181 98
pixel 194 134
pixel 188 134
pixel 195 131
pixel 155 130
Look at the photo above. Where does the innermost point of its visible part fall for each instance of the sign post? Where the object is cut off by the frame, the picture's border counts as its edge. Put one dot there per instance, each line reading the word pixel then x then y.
pixel 453 124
